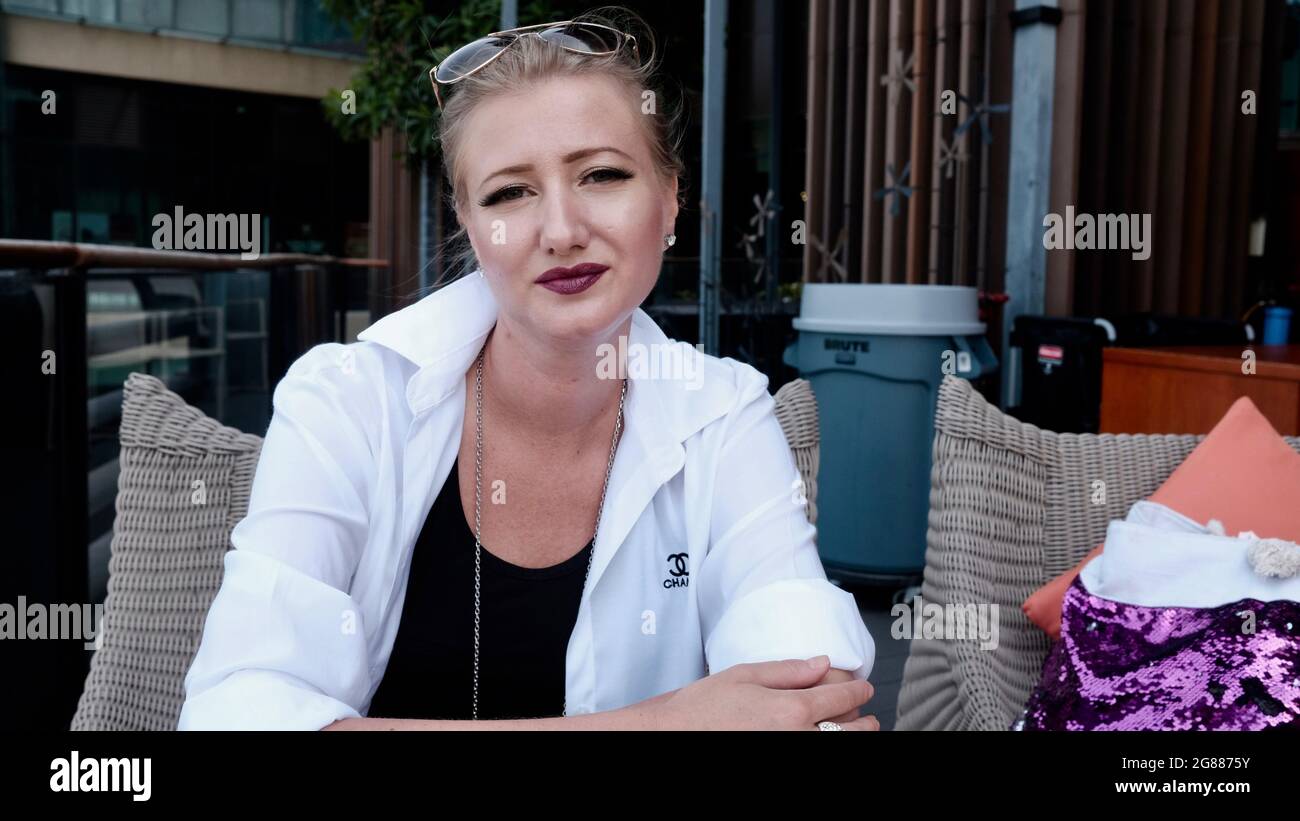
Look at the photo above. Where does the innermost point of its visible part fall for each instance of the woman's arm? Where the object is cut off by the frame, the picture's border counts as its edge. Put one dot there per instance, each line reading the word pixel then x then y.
pixel 639 716
pixel 761 587
pixel 790 694
pixel 284 643
pixel 635 717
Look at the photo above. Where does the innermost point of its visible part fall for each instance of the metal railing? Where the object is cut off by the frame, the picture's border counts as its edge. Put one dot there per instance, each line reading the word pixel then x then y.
pixel 75 321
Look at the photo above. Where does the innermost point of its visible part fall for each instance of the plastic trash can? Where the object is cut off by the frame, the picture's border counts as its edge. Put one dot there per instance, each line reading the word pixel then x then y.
pixel 875 355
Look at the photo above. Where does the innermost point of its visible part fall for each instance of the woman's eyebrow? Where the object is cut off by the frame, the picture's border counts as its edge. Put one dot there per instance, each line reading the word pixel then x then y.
pixel 572 156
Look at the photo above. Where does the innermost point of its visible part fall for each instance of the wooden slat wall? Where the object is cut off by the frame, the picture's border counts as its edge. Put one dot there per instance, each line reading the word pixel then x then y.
pixel 1170 144
pixel 834 199
pixel 1223 141
pixel 873 153
pixel 923 115
pixel 1233 297
pixel 949 229
pixel 1147 120
pixel 1067 113
pixel 947 61
pixel 1163 134
pixel 394 222
pixel 851 149
pixel 813 257
pixel 1200 124
pixel 990 270
pixel 898 122
pixel 968 177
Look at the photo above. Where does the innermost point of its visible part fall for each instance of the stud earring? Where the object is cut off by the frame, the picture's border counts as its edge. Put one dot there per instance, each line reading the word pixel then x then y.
pixel 669 240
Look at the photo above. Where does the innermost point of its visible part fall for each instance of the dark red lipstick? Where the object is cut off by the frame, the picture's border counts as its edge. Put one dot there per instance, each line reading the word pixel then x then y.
pixel 572 280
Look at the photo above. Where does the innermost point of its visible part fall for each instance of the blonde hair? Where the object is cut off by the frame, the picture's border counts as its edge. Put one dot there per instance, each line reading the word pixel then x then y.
pixel 530 61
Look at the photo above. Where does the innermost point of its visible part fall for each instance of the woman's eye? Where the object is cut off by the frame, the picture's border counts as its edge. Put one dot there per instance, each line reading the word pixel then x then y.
pixel 502 195
pixel 514 192
pixel 610 174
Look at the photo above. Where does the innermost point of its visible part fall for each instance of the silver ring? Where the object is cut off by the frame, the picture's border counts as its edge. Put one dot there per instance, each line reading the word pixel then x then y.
pixel 828 725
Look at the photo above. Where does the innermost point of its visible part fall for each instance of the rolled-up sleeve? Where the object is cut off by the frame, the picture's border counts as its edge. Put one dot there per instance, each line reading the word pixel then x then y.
pixel 283 643
pixel 763 592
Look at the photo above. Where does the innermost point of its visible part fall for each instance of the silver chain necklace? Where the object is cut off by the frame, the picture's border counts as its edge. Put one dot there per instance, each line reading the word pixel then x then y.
pixel 478 502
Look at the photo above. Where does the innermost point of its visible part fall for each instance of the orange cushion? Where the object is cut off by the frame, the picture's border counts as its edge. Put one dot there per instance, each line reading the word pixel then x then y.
pixel 1043 607
pixel 1242 474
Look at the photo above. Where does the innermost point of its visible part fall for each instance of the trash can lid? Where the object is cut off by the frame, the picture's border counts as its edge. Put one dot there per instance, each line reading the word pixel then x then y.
pixel 905 310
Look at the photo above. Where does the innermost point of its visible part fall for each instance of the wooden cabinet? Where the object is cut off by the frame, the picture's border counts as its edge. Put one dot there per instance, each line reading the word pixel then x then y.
pixel 1188 389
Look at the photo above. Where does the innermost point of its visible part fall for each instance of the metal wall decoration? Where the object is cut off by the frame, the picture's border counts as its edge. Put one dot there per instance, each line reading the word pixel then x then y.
pixel 831 258
pixel 899 76
pixel 764 211
pixel 951 155
pixel 898 187
pixel 979 113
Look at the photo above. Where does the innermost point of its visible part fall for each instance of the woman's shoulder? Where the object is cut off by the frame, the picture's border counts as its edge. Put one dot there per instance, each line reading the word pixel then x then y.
pixel 360 379
pixel 695 377
pixel 743 386
pixel 362 359
pixel 704 392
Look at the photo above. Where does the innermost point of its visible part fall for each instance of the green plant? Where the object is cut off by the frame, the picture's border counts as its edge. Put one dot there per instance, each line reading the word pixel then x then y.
pixel 404 39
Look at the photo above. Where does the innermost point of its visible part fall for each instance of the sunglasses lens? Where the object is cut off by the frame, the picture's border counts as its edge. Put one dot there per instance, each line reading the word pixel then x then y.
pixel 586 39
pixel 469 57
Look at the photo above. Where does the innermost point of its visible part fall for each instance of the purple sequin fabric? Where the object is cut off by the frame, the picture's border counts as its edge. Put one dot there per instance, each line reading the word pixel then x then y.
pixel 1132 667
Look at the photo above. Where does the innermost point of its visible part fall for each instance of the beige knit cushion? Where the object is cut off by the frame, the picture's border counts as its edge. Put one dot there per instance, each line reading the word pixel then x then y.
pixel 1011 506
pixel 184 484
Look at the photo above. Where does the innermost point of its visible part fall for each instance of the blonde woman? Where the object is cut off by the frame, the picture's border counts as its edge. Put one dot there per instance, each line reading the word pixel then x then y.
pixel 489 512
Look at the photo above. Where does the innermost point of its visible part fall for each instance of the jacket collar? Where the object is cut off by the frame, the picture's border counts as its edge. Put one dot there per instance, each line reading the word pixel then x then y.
pixel 442 334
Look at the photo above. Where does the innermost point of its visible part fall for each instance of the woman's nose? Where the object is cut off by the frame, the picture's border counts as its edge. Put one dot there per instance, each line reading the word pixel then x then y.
pixel 564 223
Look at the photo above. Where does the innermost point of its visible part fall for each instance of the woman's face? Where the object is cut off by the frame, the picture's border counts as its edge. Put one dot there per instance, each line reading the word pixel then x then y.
pixel 556 176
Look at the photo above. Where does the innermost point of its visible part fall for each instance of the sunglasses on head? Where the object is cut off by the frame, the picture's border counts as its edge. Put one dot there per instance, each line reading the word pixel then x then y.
pixel 592 39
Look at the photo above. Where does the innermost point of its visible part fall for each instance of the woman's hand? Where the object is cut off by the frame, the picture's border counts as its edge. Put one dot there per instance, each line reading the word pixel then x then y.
pixel 793 694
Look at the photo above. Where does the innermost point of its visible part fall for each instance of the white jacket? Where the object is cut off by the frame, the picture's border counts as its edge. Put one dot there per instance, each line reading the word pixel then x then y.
pixel 363 437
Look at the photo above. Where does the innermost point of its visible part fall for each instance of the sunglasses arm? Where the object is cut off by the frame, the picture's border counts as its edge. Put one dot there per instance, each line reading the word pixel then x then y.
pixel 529 28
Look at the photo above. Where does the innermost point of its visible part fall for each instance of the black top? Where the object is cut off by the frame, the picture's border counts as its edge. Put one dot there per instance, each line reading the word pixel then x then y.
pixel 525 618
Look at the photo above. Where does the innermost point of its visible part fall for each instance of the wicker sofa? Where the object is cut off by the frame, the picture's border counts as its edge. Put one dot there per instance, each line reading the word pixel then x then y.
pixel 184 484
pixel 1011 506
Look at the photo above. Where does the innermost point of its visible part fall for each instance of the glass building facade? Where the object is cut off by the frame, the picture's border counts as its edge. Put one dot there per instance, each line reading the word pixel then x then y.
pixel 92 159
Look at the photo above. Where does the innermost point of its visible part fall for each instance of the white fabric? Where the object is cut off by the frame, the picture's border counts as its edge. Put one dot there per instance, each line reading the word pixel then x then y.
pixel 1158 557
pixel 363 437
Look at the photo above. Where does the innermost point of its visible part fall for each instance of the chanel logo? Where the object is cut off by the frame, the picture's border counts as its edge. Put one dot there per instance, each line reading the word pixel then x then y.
pixel 679 564
pixel 677 569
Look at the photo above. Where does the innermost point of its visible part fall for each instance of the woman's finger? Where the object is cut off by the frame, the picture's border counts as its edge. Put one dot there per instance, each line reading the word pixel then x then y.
pixel 788 674
pixel 866 723
pixel 838 698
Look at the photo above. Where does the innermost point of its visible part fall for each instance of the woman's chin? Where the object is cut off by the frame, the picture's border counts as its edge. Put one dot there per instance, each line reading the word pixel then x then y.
pixel 574 322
